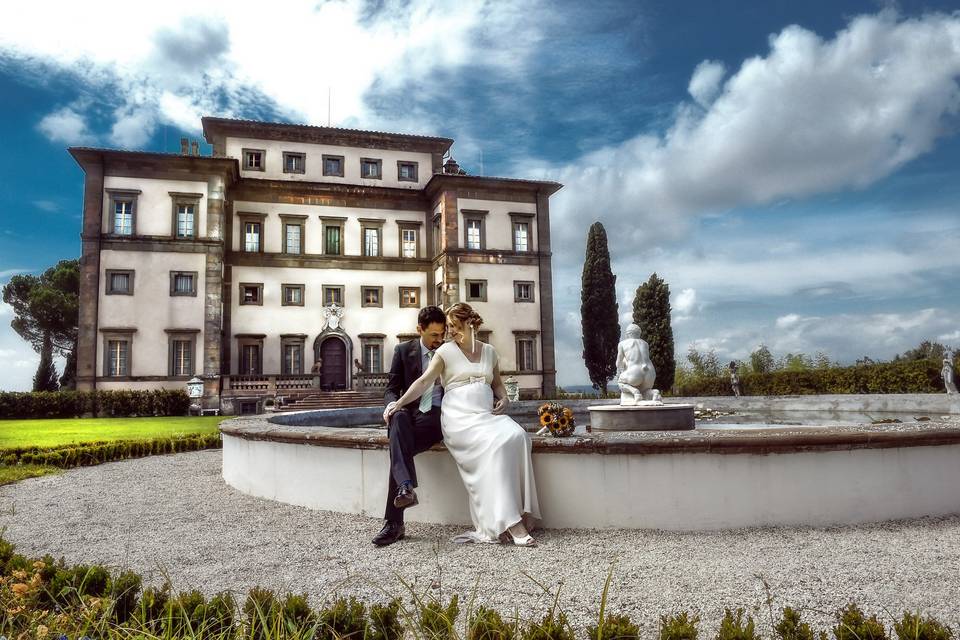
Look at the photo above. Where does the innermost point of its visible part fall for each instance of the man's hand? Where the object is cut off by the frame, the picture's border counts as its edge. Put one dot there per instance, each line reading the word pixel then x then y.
pixel 500 405
pixel 389 411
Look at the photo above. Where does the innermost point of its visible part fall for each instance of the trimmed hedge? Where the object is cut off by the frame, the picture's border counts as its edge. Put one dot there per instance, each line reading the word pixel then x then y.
pixel 917 376
pixel 102 404
pixel 92 453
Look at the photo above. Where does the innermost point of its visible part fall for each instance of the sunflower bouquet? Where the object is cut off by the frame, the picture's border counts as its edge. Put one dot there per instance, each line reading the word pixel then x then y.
pixel 555 419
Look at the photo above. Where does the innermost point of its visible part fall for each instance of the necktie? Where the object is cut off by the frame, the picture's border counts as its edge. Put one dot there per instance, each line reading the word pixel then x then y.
pixel 426 400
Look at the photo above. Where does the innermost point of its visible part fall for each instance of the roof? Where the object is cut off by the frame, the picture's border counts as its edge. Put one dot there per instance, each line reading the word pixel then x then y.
pixel 162 159
pixel 212 127
pixel 547 186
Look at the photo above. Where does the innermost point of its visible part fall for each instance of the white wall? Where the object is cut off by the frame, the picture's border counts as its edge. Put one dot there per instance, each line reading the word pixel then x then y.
pixel 314 163
pixel 499 224
pixel 151 308
pixel 154 212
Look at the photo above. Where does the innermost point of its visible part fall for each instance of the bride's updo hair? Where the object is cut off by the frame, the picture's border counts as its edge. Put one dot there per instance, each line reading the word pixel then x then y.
pixel 465 314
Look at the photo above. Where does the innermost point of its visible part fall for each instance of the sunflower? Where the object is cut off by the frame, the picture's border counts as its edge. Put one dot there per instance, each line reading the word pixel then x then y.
pixel 567 412
pixel 563 422
pixel 546 418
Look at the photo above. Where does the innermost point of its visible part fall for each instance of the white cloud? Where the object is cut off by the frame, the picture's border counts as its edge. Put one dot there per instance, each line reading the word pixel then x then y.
pixel 705 82
pixel 950 337
pixel 809 117
pixel 686 301
pixel 46 205
pixel 67 126
pixel 787 321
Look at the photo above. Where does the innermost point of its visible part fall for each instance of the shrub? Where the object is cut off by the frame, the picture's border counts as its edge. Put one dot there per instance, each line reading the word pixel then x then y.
pixel 733 627
pixel 153 604
pixel 385 621
pixel 220 614
pixel 791 627
pixel 679 627
pixel 72 404
pixel 615 627
pixel 261 610
pixel 344 619
pixel 125 590
pixel 185 614
pixel 487 624
pixel 912 627
pixel 437 621
pixel 296 611
pixel 853 625
pixel 553 626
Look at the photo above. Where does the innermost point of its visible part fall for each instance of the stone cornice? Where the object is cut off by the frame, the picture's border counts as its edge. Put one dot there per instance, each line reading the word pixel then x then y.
pixel 480 184
pixel 327 194
pixel 313 261
pixel 150 164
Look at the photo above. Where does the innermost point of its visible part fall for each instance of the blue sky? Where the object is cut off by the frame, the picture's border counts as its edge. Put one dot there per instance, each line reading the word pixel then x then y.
pixel 791 169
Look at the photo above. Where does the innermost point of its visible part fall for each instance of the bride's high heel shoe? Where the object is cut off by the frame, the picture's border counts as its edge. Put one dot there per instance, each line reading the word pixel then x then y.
pixel 522 540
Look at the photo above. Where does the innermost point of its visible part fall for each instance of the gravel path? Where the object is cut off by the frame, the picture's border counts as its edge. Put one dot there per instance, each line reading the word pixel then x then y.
pixel 174 514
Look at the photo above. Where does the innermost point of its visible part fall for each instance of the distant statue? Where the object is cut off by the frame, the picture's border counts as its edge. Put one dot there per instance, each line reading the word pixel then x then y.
pixel 358 366
pixel 332 316
pixel 635 372
pixel 317 366
pixel 734 379
pixel 947 373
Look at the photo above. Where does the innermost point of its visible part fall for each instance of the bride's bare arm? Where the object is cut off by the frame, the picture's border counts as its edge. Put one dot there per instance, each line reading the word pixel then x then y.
pixel 420 385
pixel 499 392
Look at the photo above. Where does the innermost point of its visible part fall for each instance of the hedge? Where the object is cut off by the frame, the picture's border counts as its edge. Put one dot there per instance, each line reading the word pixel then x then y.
pixel 104 404
pixel 916 376
pixel 92 453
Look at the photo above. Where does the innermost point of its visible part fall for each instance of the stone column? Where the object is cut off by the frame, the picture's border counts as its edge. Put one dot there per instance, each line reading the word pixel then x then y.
pixel 89 276
pixel 213 302
pixel 449 239
pixel 547 355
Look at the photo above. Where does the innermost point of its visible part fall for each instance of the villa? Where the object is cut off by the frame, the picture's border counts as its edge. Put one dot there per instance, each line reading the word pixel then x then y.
pixel 291 262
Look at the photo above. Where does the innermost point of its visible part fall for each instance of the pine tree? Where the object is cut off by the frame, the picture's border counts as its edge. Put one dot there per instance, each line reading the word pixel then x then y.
pixel 68 380
pixel 651 312
pixel 46 376
pixel 599 316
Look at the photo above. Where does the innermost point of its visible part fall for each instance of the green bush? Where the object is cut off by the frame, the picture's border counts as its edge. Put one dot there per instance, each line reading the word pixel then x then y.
pixel 296 611
pixel 385 621
pixel 345 619
pixel 734 627
pixel 92 453
pixel 553 626
pixel 437 622
pixel 125 591
pixel 917 376
pixel 791 627
pixel 679 627
pixel 72 404
pixel 913 627
pixel 615 627
pixel 487 624
pixel 150 610
pixel 262 612
pixel 853 625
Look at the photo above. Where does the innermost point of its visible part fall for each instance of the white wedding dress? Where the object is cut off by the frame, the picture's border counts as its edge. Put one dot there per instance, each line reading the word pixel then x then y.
pixel 492 451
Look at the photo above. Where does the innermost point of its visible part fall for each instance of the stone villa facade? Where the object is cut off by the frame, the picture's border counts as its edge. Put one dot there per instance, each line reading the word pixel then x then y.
pixel 294 259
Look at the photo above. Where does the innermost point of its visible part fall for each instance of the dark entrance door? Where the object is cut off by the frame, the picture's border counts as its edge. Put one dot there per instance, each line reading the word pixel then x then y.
pixel 334 373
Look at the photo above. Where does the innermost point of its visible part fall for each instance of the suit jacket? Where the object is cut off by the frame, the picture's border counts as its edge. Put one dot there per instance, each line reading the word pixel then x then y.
pixel 404 370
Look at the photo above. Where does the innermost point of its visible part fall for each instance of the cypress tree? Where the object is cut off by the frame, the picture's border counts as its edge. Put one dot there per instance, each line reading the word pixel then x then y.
pixel 46 376
pixel 599 319
pixel 651 312
pixel 68 380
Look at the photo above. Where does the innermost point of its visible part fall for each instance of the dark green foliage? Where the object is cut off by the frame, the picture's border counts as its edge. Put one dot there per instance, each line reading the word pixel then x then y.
pixel 852 624
pixel 125 590
pixel 68 586
pixel 615 627
pixel 385 621
pixel 220 614
pixel 913 627
pixel 918 376
pixel 296 612
pixel 106 404
pixel 553 626
pixel 600 322
pixel 926 350
pixel 734 627
pixel 487 624
pixel 651 312
pixel 185 613
pixel 344 619
pixel 761 360
pixel 6 552
pixel 150 610
pixel 46 306
pixel 68 379
pixel 437 621
pixel 45 379
pixel 262 611
pixel 93 453
pixel 705 365
pixel 791 627
pixel 678 627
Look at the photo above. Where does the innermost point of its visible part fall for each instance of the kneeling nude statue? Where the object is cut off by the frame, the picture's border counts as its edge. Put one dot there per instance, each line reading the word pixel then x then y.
pixel 635 372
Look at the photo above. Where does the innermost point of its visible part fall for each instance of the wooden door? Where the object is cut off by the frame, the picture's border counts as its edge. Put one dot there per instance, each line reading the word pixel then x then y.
pixel 334 354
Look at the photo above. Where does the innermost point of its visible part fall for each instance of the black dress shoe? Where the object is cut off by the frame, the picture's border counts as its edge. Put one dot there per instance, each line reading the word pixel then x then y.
pixel 406 497
pixel 391 532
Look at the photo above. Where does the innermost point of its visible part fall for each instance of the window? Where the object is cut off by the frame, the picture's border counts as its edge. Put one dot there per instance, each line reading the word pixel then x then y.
pixel 333 236
pixel 293 237
pixel 409 240
pixel 371 231
pixel 371 296
pixel 474 232
pixel 476 290
pixel 294 162
pixel 526 360
pixel 186 214
pixel 292 295
pixel 332 294
pixel 333 166
pixel 251 236
pixel 371 169
pixel 522 291
pixel 250 360
pixel 251 293
pixel 291 354
pixel 253 159
pixel 119 282
pixel 407 171
pixel 520 236
pixel 117 362
pixel 182 346
pixel 409 297
pixel 183 283
pixel 371 349
pixel 123 211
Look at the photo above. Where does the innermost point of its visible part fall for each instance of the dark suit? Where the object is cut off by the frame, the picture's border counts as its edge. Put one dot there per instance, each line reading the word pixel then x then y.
pixel 410 430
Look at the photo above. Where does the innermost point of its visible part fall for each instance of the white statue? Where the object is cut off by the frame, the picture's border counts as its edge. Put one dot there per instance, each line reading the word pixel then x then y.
pixel 332 316
pixel 635 372
pixel 947 373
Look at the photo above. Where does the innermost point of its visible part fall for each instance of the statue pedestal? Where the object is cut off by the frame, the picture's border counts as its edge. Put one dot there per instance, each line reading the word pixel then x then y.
pixel 662 417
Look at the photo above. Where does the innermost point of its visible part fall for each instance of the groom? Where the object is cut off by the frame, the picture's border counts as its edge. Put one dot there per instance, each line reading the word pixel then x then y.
pixel 414 429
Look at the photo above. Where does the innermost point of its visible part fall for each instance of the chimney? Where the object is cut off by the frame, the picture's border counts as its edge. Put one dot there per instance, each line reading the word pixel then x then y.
pixel 195 148
pixel 451 166
pixel 184 146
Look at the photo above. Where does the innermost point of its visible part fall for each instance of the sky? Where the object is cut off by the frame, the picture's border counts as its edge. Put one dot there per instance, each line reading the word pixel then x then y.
pixel 790 169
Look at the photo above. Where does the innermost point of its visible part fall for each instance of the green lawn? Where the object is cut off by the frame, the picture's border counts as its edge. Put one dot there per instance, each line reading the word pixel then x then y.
pixel 51 433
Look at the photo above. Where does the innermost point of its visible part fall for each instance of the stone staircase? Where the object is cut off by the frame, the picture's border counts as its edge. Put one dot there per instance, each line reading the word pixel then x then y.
pixel 336 400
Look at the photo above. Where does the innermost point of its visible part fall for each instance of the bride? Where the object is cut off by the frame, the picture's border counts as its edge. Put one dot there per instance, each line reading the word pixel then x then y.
pixel 492 451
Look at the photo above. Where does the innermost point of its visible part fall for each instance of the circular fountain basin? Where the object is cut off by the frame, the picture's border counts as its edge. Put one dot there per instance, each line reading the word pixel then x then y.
pixel 700 479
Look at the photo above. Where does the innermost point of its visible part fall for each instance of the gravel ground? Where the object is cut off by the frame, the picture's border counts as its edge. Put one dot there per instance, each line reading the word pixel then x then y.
pixel 174 515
